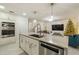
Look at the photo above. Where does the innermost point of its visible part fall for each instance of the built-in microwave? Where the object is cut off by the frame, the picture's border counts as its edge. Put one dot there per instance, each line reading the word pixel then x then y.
pixel 58 27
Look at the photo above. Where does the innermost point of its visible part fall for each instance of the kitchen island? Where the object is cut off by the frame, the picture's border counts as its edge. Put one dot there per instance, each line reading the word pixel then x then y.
pixel 32 45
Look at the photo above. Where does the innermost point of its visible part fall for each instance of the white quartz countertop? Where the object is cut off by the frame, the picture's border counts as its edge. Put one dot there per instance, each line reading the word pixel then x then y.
pixel 52 39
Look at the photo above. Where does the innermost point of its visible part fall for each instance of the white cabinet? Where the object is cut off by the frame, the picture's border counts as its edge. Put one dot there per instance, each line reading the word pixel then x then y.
pixel 22 42
pixel 33 47
pixel 30 46
pixel 27 45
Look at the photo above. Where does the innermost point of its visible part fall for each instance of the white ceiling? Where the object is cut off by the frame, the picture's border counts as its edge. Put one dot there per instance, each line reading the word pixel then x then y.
pixel 43 9
pixel 63 10
pixel 60 10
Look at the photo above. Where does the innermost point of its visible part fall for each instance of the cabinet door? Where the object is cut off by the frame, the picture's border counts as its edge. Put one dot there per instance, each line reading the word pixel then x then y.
pixel 27 45
pixel 21 42
pixel 30 45
pixel 34 47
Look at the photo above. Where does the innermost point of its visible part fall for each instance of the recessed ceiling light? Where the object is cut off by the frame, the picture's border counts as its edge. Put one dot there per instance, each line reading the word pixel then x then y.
pixel 24 14
pixel 35 21
pixel 2 7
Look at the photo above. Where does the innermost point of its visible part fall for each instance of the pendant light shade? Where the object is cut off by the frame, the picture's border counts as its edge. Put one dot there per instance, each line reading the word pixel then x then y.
pixel 51 11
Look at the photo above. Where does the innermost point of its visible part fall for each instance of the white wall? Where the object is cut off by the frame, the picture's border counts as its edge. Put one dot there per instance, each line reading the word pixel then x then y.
pixel 21 25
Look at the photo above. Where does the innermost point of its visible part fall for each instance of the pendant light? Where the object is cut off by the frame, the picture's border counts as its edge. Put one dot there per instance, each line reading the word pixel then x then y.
pixel 51 12
pixel 35 12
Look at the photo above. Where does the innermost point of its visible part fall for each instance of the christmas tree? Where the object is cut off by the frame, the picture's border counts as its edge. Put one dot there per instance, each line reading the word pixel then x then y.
pixel 70 29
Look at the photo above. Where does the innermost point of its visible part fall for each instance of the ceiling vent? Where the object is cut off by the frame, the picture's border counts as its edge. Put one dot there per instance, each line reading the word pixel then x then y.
pixel 11 11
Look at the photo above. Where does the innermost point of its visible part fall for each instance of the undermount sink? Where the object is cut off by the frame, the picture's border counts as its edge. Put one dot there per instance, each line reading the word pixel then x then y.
pixel 36 35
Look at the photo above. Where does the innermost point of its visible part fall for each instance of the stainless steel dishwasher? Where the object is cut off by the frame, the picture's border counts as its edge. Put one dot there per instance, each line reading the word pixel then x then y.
pixel 47 49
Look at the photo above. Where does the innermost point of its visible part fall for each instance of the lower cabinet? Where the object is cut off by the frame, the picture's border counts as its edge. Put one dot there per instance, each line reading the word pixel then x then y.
pixel 30 46
pixel 22 43
pixel 33 47
pixel 27 45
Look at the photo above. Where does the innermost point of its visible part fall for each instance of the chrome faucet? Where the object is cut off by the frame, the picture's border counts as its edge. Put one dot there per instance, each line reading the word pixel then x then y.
pixel 38 26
